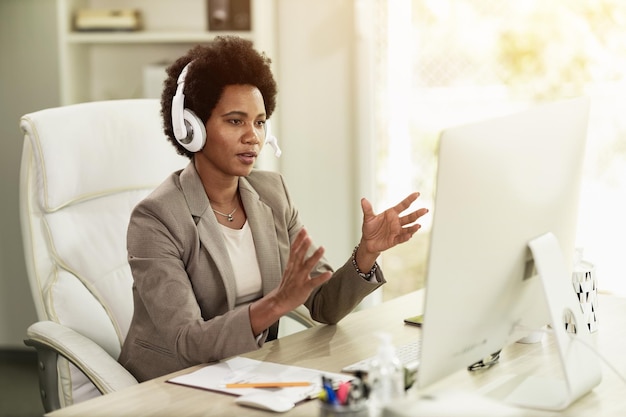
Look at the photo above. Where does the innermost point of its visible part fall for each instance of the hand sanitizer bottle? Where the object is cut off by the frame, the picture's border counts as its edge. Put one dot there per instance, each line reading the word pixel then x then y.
pixel 385 377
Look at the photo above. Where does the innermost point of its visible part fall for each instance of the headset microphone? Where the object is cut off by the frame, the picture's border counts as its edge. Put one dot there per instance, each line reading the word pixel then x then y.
pixel 271 140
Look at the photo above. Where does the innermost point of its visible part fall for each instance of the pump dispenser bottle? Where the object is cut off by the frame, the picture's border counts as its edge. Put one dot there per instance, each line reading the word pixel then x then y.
pixel 386 376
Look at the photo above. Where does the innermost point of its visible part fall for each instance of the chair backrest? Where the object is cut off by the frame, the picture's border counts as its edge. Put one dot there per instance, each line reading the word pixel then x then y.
pixel 84 168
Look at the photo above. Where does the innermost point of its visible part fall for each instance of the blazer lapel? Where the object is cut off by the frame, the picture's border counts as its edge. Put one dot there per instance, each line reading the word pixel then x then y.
pixel 208 229
pixel 261 220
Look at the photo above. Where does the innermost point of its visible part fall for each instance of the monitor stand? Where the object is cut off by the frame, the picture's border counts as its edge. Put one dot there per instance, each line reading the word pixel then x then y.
pixel 580 366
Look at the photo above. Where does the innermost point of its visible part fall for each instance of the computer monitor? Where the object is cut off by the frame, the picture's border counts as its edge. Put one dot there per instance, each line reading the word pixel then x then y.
pixel 501 184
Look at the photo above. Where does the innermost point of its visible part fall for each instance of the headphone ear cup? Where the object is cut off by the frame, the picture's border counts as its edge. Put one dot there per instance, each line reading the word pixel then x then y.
pixel 196 132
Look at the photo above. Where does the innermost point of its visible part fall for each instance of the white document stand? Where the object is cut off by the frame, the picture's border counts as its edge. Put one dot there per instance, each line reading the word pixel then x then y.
pixel 581 367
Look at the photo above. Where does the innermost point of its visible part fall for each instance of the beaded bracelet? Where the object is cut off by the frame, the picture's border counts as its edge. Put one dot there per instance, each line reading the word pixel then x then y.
pixel 362 274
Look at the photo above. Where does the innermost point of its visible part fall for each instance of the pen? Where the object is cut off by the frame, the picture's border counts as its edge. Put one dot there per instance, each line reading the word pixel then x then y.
pixel 331 397
pixel 343 391
pixel 269 384
pixel 318 395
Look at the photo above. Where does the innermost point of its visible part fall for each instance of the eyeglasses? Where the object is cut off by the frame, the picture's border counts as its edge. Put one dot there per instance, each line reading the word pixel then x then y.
pixel 485 363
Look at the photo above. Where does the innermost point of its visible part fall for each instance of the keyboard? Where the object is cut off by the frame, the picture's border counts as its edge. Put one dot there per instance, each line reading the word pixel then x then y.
pixel 409 355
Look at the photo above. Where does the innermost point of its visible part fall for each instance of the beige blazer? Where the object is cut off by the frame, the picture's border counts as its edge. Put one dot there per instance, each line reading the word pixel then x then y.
pixel 184 284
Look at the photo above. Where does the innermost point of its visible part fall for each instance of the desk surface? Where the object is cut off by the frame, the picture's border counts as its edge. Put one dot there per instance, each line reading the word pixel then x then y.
pixel 329 348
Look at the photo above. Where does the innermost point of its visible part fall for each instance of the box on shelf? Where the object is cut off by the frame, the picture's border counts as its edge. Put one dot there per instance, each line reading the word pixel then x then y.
pixel 90 20
pixel 227 15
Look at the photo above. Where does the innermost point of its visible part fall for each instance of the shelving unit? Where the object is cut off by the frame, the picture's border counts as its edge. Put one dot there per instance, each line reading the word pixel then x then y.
pixel 110 65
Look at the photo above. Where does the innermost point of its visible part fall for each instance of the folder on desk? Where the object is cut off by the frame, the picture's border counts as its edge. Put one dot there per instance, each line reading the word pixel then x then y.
pixel 243 370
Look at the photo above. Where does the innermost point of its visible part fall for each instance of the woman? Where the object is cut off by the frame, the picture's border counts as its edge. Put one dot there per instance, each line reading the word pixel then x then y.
pixel 217 252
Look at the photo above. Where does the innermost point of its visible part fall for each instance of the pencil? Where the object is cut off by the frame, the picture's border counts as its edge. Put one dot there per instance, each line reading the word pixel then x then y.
pixel 269 384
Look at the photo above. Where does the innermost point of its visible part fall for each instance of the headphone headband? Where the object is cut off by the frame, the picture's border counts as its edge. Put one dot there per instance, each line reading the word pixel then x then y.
pixel 178 106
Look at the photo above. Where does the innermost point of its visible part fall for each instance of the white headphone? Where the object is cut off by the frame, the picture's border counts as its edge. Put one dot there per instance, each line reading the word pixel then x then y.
pixel 189 130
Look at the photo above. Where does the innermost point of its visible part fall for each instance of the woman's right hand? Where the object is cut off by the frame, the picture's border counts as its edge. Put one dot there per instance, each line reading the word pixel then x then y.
pixel 295 286
pixel 297 283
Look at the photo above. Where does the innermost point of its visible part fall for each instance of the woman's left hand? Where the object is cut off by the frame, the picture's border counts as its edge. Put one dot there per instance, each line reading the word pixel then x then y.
pixel 389 228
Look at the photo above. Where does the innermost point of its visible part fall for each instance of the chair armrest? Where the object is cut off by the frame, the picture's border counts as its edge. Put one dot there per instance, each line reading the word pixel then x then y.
pixel 301 315
pixel 102 370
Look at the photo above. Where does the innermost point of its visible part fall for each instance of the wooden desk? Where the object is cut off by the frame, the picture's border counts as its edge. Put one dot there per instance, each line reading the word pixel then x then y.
pixel 329 348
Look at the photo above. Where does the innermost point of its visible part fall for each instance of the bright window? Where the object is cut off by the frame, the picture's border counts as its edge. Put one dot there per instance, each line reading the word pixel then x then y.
pixel 441 63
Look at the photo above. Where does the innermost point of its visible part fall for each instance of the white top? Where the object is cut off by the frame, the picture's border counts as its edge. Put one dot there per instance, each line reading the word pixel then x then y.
pixel 242 254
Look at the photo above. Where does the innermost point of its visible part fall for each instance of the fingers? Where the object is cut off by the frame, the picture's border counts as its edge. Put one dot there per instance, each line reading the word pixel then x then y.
pixel 406 203
pixel 299 264
pixel 409 231
pixel 368 210
pixel 366 206
pixel 296 284
pixel 413 216
pixel 320 279
pixel 406 234
pixel 300 246
pixel 312 260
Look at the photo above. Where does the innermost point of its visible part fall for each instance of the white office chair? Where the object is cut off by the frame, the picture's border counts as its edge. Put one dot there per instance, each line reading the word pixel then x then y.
pixel 84 168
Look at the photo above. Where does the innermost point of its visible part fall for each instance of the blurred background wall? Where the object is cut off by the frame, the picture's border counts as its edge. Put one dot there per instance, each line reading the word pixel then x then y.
pixel 28 82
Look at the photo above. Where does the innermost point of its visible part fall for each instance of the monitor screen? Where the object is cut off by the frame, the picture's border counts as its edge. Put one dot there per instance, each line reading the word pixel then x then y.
pixel 500 184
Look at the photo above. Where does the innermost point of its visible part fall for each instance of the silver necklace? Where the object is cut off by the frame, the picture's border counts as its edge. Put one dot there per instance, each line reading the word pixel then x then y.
pixel 229 216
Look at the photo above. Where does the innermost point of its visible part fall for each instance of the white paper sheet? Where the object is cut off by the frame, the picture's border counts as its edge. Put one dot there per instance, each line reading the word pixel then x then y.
pixel 243 370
